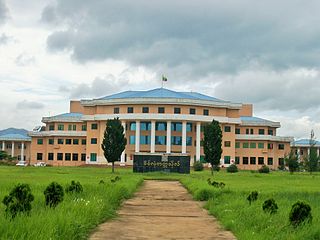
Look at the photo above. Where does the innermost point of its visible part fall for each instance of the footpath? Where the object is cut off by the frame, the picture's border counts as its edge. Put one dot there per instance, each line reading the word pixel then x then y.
pixel 162 210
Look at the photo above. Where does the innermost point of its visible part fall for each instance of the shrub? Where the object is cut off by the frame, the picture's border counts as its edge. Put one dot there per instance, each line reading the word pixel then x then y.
pixel 216 168
pixel 216 184
pixel 53 194
pixel 232 168
pixel 19 200
pixel 197 166
pixel 101 182
pixel 253 196
pixel 300 212
pixel 270 206
pixel 264 169
pixel 117 178
pixel 74 187
pixel 203 194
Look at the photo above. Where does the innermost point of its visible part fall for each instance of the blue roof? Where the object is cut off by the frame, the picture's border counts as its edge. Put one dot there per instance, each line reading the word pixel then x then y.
pixel 161 93
pixel 305 142
pixel 68 115
pixel 253 119
pixel 14 133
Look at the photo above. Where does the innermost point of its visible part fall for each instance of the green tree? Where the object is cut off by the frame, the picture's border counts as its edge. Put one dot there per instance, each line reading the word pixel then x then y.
pixel 311 161
pixel 4 155
pixel 212 144
pixel 114 141
pixel 292 162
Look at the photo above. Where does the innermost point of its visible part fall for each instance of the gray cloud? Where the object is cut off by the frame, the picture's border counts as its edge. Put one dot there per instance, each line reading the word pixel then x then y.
pixel 26 104
pixel 24 60
pixel 4 39
pixel 3 12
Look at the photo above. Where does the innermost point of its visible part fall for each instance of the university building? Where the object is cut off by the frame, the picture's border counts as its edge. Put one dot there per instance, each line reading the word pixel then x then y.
pixel 158 121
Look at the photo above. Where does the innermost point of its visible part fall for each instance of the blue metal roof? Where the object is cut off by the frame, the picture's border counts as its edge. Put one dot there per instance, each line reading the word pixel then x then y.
pixel 305 142
pixel 253 119
pixel 14 134
pixel 161 93
pixel 68 115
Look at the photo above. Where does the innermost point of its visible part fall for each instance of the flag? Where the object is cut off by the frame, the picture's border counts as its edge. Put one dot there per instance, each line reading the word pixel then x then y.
pixel 164 79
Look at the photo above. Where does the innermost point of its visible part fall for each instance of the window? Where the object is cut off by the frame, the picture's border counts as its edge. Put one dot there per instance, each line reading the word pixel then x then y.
pixel 237 160
pixel 192 111
pixel 132 139
pixel 261 145
pixel 130 110
pixel 270 161
pixel 206 112
pixel 161 140
pixel 281 146
pixel 39 156
pixel 245 145
pixel 94 126
pixel 176 126
pixel 226 159
pixel 251 131
pixel 84 127
pixel 132 126
pixel 161 126
pixel 60 127
pixel 247 131
pixel 237 130
pixel 253 145
pixel 67 156
pixel 145 126
pixel 227 143
pixel 145 109
pixel 74 156
pixel 227 129
pixel 301 152
pixel 50 156
pixel 93 157
pixel 177 110
pixel 245 160
pixel 83 157
pixel 75 141
pixel 270 146
pixel 116 110
pixel 260 160
pixel 270 132
pixel 51 127
pixel 161 110
pixel 74 127
pixel 40 141
pixel 50 141
pixel 83 141
pixel 261 131
pixel 60 141
pixel 189 141
pixel 237 144
pixel 69 127
pixel 60 156
pixel 176 140
pixel 252 160
pixel 189 127
pixel 94 141
pixel 145 140
pixel 68 141
pixel 9 145
pixel 281 161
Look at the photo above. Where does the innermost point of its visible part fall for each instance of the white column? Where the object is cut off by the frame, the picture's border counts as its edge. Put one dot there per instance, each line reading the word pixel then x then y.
pixel 318 151
pixel 3 145
pixel 137 147
pixel 184 137
pixel 22 151
pixel 169 137
pixel 123 154
pixel 198 132
pixel 309 151
pixel 12 149
pixel 153 136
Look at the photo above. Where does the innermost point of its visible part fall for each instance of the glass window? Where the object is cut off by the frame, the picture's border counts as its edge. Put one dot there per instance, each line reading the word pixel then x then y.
pixel 176 126
pixel 60 156
pixel 192 111
pixel 50 156
pixel 237 130
pixel 261 145
pixel 94 126
pixel 60 127
pixel 145 109
pixel 132 126
pixel 145 126
pixel 161 126
pixel 161 140
pixel 83 157
pixel 84 127
pixel 69 127
pixel 270 132
pixel 132 139
pixel 74 156
pixel 39 156
pixel 237 144
pixel 261 131
pixel 60 141
pixel 245 145
pixel 227 128
pixel 270 146
pixel 281 146
pixel 253 145
pixel 227 143
pixel 161 110
pixel 251 131
pixel 206 112
pixel 116 110
pixel 40 141
pixel 189 127
pixel 252 160
pixel 247 130
pixel 93 157
pixel 74 127
pixel 68 141
pixel 245 160
pixel 270 161
pixel 83 141
pixel 67 156
pixel 94 141
pixel 281 161
pixel 237 160
pixel 176 140
pixel 177 110
pixel 145 140
pixel 260 160
pixel 51 127
pixel 75 141
pixel 189 141
pixel 51 141
pixel 130 110
pixel 226 159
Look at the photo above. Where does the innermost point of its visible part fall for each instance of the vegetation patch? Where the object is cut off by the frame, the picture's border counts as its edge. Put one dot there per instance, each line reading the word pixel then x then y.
pixel 300 213
pixel 53 194
pixel 270 206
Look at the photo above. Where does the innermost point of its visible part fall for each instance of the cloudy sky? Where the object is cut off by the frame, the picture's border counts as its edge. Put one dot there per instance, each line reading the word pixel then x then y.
pixel 266 53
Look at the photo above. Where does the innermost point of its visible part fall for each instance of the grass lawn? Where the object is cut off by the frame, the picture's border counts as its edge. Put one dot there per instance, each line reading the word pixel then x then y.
pixel 79 214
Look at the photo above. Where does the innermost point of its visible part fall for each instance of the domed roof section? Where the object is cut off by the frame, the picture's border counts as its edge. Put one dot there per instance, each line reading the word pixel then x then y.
pixel 160 93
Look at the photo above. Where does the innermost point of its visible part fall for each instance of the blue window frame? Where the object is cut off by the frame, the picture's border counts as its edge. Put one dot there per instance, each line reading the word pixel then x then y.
pixel 161 140
pixel 226 159
pixel 132 139
pixel 176 140
pixel 145 139
pixel 161 126
pixel 189 141
pixel 176 126
pixel 189 127
pixel 132 126
pixel 93 157
pixel 145 126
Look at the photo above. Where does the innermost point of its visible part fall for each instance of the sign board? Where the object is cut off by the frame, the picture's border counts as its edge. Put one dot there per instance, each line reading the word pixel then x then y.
pixel 161 163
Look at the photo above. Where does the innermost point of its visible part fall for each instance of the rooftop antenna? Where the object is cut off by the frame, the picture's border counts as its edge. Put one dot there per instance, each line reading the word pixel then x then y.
pixel 164 79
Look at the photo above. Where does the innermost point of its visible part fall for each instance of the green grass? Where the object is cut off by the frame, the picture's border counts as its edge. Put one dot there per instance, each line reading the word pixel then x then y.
pixel 79 214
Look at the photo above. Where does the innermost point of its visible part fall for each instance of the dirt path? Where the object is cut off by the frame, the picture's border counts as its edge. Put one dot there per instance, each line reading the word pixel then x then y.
pixel 162 210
